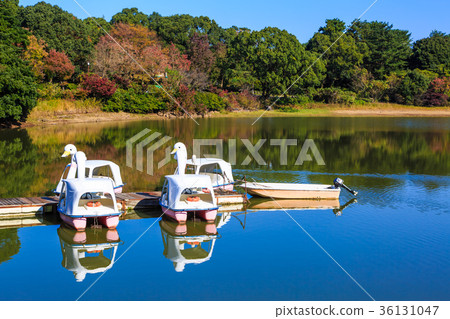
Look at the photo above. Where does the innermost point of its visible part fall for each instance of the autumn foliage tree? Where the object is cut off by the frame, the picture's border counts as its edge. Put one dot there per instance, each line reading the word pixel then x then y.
pixel 98 87
pixel 57 66
pixel 36 55
pixel 438 93
pixel 129 49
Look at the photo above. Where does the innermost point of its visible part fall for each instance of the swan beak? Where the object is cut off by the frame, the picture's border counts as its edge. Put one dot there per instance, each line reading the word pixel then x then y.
pixel 65 154
pixel 174 151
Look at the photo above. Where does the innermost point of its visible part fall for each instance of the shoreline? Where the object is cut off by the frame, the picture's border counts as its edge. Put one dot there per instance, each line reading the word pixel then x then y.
pixel 388 110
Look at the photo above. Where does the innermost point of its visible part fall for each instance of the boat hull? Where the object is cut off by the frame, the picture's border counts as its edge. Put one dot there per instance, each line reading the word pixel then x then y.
pixel 181 216
pixel 295 194
pixel 79 223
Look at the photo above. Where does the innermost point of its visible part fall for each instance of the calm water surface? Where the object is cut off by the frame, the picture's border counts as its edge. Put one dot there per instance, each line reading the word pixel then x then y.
pixel 394 241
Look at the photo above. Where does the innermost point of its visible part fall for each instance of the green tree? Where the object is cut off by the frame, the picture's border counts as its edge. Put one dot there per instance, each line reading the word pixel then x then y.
pixel 276 59
pixel 179 29
pixel 96 28
pixel 389 49
pixel 131 16
pixel 413 85
pixel 432 53
pixel 17 83
pixel 342 53
pixel 61 31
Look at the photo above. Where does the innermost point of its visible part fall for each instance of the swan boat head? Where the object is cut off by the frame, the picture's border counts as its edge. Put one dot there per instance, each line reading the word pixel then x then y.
pixel 180 154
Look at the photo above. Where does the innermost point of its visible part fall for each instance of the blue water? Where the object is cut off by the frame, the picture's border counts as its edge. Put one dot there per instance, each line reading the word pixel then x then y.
pixel 394 242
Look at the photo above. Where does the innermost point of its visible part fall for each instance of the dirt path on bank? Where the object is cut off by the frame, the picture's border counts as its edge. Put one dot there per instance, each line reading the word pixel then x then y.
pixel 314 112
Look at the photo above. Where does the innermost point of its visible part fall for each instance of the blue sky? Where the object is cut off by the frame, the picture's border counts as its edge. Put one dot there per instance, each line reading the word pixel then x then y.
pixel 300 17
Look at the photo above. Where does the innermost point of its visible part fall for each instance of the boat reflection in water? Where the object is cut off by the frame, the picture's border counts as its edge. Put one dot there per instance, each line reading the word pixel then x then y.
pixel 88 252
pixel 265 204
pixel 190 243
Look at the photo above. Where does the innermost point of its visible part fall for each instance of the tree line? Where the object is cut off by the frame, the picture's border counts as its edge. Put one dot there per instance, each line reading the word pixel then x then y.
pixel 144 63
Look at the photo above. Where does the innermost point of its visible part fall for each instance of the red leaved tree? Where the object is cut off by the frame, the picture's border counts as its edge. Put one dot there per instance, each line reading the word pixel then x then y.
pixel 438 93
pixel 98 87
pixel 57 66
pixel 141 46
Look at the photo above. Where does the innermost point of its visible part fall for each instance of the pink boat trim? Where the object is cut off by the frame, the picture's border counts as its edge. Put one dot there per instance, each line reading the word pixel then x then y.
pixel 208 215
pixel 181 216
pixel 79 223
pixel 110 222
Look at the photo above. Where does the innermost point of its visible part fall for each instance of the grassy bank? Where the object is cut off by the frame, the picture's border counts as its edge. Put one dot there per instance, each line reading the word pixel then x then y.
pixel 74 111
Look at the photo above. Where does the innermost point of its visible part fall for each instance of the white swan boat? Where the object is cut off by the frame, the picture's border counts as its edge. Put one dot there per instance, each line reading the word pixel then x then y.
pixel 218 170
pixel 183 194
pixel 94 169
pixel 84 198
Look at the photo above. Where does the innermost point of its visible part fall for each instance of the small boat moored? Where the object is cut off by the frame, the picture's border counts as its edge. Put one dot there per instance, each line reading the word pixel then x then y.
pixel 291 190
pixel 297 191
pixel 188 193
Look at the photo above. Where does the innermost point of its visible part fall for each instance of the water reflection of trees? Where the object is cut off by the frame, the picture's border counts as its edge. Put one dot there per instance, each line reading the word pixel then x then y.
pixel 9 244
pixel 18 157
pixel 30 160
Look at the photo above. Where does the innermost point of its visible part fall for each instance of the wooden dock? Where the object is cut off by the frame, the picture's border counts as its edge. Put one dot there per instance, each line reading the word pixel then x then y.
pixel 31 207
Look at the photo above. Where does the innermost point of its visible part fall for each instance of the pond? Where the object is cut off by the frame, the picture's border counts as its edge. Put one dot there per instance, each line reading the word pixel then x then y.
pixel 393 243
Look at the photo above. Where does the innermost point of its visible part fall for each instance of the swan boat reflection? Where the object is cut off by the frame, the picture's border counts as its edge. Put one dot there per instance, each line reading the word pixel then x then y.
pixel 190 243
pixel 88 252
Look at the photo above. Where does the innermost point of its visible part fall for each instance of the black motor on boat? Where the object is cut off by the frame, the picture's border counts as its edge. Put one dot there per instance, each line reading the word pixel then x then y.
pixel 338 182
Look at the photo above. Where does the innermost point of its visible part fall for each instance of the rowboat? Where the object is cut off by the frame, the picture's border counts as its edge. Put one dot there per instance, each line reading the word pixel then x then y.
pixel 297 191
pixel 291 190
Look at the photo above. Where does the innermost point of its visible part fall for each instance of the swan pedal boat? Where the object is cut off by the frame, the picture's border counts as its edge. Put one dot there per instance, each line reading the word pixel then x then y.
pixel 94 169
pixel 190 193
pixel 87 198
pixel 218 170
pixel 291 190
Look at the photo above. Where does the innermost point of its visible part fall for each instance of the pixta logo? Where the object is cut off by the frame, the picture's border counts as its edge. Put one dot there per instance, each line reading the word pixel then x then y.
pixel 152 141
pixel 143 140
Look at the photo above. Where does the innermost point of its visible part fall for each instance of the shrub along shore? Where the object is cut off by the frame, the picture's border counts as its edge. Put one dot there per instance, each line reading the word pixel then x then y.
pixel 62 66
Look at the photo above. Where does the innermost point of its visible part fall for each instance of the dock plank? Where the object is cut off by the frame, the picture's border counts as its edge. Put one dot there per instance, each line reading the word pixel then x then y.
pixel 29 206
